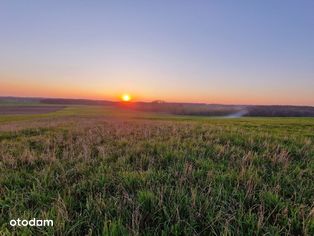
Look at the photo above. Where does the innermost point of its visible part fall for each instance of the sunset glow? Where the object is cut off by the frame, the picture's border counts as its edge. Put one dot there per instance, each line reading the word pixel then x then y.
pixel 126 98
pixel 202 53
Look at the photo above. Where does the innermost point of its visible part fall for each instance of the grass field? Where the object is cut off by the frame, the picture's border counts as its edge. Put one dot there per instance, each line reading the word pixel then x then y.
pixel 105 171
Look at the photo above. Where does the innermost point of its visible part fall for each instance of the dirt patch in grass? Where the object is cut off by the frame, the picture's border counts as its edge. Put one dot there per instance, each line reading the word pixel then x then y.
pixel 21 110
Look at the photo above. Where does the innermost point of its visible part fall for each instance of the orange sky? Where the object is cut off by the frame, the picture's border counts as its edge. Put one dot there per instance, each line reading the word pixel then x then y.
pixel 25 89
pixel 209 52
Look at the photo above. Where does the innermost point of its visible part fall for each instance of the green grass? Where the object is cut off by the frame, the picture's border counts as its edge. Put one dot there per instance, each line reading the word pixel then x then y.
pixel 105 171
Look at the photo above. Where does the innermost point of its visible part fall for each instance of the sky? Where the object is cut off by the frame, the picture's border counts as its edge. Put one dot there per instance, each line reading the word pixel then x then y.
pixel 219 51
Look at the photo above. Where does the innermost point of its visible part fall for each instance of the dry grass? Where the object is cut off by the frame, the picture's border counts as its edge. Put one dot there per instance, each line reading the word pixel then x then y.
pixel 149 177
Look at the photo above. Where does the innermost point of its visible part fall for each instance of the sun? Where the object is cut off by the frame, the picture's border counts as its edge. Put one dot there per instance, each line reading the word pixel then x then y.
pixel 126 97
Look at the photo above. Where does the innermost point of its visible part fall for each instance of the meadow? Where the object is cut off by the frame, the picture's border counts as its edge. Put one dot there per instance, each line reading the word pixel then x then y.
pixel 107 171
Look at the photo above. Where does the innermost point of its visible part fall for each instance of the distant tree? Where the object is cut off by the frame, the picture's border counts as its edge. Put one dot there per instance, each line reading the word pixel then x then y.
pixel 158 102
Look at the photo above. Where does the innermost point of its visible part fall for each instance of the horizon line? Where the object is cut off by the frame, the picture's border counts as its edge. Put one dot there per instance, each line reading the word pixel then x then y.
pixel 117 101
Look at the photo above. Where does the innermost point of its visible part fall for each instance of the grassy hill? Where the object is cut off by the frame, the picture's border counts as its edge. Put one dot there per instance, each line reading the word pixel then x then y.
pixel 111 171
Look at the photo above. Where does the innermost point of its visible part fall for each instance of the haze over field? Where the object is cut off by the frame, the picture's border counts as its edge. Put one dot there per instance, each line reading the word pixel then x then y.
pixel 257 52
